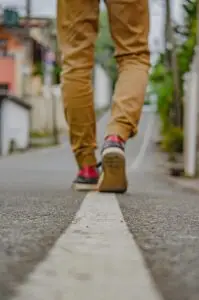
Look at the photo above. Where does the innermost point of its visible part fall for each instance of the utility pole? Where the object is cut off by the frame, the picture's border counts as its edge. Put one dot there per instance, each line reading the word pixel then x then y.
pixel 197 18
pixel 197 42
pixel 191 112
pixel 172 64
pixel 27 23
pixel 28 15
pixel 48 82
pixel 28 49
pixel 167 35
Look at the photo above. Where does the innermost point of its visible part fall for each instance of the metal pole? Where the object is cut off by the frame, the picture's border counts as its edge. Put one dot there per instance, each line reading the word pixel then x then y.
pixel 54 106
pixel 48 83
pixel 27 40
pixel 190 125
pixel 197 118
pixel 191 113
pixel 28 15
pixel 27 23
pixel 197 18
pixel 176 109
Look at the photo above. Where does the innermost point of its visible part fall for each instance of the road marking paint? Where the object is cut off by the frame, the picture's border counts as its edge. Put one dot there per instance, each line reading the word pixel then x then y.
pixel 96 258
pixel 147 137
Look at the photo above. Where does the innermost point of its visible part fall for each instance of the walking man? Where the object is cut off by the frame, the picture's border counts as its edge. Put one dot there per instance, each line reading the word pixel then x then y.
pixel 77 25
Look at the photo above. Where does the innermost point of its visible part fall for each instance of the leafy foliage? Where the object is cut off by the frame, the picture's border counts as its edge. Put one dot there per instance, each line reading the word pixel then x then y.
pixel 173 140
pixel 162 83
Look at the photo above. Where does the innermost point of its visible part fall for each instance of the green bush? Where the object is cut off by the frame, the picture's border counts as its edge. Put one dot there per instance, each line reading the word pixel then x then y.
pixel 173 140
pixel 162 83
pixel 147 102
pixel 40 134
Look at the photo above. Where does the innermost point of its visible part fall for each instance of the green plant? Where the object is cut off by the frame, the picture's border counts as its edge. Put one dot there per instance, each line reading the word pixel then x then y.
pixel 161 81
pixel 147 102
pixel 162 86
pixel 40 134
pixel 38 69
pixel 57 73
pixel 173 140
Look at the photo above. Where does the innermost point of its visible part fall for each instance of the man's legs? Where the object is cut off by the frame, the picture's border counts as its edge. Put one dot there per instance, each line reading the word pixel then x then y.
pixel 129 22
pixel 77 24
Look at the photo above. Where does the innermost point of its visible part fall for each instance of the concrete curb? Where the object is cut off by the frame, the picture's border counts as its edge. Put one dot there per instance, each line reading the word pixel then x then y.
pixel 44 149
pixel 191 185
pixel 187 184
pixel 32 151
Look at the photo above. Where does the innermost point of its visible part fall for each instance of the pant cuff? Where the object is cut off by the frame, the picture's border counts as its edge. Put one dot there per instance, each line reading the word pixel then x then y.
pixel 124 133
pixel 86 160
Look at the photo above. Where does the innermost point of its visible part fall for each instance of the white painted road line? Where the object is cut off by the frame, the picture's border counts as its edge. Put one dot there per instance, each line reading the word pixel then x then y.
pixel 147 137
pixel 96 258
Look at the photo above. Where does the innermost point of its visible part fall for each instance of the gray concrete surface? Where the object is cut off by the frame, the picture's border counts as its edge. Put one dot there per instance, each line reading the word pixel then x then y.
pixel 95 258
pixel 164 220
pixel 37 205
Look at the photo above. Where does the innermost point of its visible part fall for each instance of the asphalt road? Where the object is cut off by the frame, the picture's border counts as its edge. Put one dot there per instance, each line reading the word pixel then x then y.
pixel 37 206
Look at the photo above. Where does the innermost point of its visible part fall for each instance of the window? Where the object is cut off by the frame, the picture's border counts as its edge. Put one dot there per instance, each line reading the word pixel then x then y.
pixel 4 89
pixel 3 47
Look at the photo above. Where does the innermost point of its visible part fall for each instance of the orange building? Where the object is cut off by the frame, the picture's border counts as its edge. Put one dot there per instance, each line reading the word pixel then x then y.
pixel 16 66
pixel 9 47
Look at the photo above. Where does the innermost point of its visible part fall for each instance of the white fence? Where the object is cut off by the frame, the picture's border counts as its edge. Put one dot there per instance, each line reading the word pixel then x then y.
pixel 102 87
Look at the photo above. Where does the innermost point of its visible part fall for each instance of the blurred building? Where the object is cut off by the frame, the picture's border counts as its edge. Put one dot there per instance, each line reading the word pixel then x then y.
pixel 15 124
pixel 22 52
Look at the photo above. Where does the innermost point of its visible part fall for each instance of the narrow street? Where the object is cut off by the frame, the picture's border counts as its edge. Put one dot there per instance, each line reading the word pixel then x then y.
pixel 59 244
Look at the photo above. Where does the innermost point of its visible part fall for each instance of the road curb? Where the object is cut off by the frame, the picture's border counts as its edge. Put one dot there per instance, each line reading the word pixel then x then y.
pixel 185 183
pixel 44 149
pixel 33 151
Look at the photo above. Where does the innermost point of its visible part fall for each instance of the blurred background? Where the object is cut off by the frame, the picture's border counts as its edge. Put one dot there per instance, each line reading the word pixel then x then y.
pixel 37 204
pixel 30 76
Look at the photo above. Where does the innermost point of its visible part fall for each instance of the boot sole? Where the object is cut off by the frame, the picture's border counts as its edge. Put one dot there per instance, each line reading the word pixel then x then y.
pixel 113 178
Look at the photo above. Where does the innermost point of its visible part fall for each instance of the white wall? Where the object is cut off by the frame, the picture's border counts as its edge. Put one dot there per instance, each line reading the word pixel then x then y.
pixel 102 87
pixel 19 72
pixel 15 125
pixel 42 112
pixel 44 104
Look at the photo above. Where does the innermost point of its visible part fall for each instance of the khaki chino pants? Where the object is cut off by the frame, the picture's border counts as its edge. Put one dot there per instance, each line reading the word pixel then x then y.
pixel 77 25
